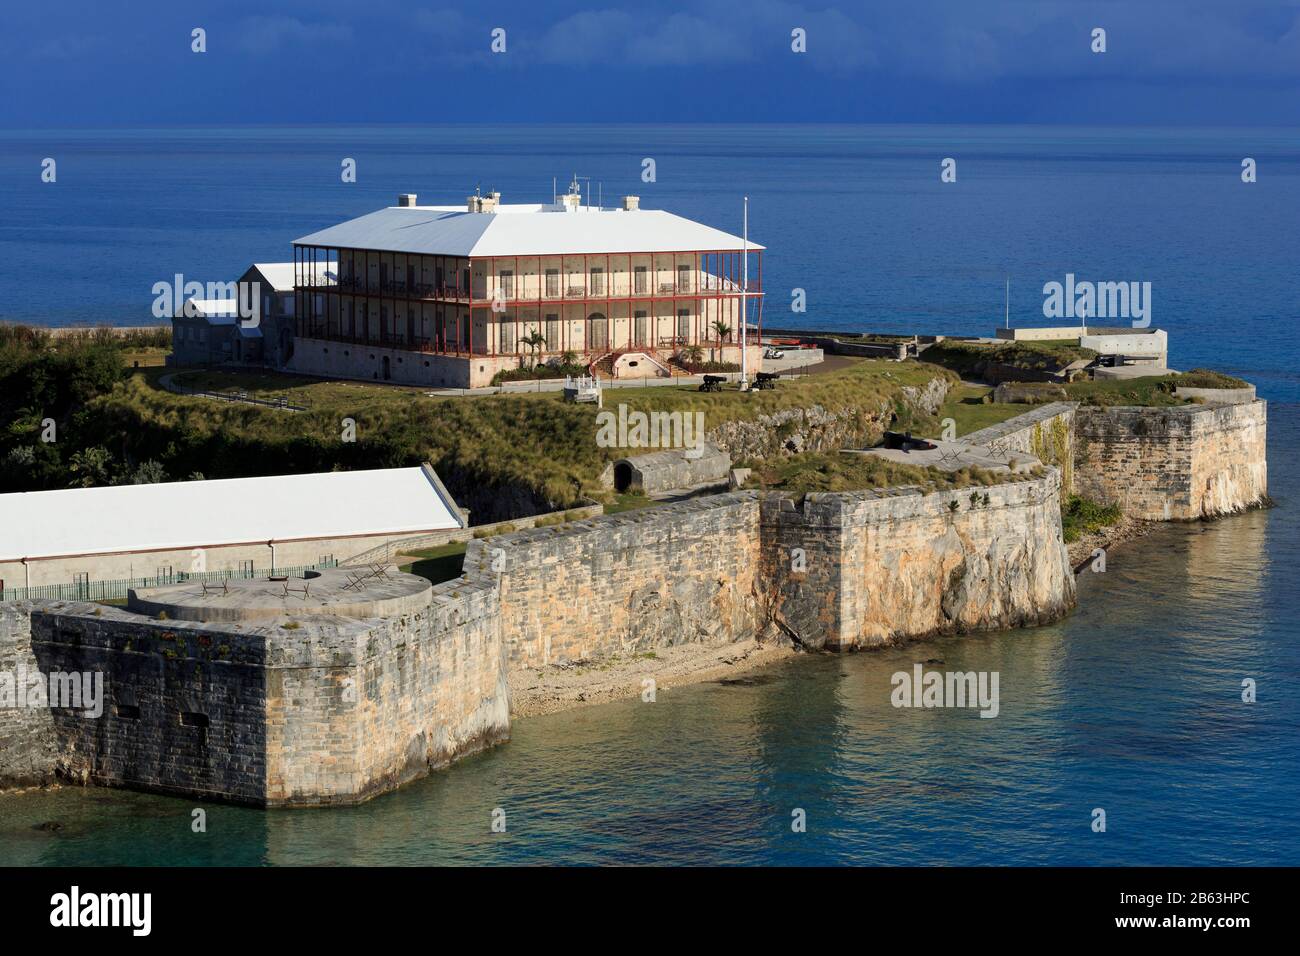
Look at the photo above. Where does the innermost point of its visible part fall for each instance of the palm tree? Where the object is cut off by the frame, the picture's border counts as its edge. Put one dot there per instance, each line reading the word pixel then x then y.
pixel 691 355
pixel 723 331
pixel 534 340
pixel 92 466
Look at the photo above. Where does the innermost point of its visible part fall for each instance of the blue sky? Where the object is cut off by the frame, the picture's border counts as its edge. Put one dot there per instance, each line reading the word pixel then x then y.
pixel 1192 62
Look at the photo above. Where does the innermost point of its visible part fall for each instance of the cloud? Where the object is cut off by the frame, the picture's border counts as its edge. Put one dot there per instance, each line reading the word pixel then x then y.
pixel 261 36
pixel 710 35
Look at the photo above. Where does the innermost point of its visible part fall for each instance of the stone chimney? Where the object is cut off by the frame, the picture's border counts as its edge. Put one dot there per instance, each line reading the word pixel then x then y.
pixel 631 203
pixel 490 202
pixel 475 203
pixel 406 199
pixel 571 202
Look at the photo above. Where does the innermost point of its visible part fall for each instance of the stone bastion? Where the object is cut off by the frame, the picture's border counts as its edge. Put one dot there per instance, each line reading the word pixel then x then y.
pixel 335 688
pixel 305 692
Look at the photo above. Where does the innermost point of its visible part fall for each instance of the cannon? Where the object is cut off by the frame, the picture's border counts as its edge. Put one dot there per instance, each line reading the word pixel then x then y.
pixel 712 383
pixel 906 442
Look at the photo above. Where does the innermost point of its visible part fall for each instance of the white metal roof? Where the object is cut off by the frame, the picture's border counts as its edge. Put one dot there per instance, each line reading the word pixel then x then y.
pixel 197 514
pixel 215 311
pixel 280 275
pixel 523 230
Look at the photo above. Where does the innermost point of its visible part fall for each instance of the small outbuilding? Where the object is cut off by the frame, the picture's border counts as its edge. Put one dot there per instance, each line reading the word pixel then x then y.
pixel 676 469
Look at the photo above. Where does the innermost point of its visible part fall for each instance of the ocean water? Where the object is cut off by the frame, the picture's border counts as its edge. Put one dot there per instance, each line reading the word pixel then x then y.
pixel 1132 704
pixel 854 215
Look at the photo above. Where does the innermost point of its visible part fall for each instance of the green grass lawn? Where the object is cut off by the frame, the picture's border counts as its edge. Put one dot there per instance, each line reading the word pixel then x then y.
pixel 145 357
pixel 299 389
pixel 629 502
pixel 967 358
pixel 972 408
pixel 1134 391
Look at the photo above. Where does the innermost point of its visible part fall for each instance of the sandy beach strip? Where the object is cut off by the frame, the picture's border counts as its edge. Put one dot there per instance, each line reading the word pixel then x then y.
pixel 548 690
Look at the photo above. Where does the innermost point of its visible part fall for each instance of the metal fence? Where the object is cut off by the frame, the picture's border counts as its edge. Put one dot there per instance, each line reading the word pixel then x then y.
pixel 242 396
pixel 116 590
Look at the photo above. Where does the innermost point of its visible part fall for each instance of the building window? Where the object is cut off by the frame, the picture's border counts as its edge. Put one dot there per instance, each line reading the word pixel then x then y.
pixel 507 337
pixel 683 278
pixel 639 327
pixel 507 286
pixel 640 280
pixel 552 331
pixel 552 283
pixel 597 281
pixel 684 325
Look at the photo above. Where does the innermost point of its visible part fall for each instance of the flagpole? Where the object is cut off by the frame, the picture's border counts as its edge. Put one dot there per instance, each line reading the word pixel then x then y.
pixel 744 301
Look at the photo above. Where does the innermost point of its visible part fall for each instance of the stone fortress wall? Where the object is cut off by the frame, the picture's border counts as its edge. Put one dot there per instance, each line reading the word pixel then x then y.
pixel 286 711
pixel 850 571
pixel 1047 433
pixel 306 708
pixel 1175 463
pixel 838 571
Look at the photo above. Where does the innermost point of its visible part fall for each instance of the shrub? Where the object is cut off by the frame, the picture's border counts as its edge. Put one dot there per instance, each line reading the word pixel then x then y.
pixel 1080 516
pixel 557 370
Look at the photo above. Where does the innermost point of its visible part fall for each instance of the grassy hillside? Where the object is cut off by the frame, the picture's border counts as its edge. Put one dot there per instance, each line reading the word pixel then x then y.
pixel 969 359
pixel 502 456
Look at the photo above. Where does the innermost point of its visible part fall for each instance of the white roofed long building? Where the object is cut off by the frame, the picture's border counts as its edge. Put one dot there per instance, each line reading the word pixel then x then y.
pixel 441 295
pixel 240 525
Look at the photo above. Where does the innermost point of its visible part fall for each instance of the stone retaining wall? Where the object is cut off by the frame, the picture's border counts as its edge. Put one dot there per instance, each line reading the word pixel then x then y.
pixel 1047 433
pixel 856 570
pixel 28 742
pixel 627 583
pixel 1173 463
pixel 837 571
pixel 305 711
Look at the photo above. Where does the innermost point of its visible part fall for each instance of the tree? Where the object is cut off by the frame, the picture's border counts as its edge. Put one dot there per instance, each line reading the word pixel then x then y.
pixel 723 331
pixel 535 341
pixel 148 473
pixel 92 466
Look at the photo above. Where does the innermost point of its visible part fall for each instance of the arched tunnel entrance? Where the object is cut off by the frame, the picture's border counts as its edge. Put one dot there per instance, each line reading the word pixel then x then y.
pixel 622 476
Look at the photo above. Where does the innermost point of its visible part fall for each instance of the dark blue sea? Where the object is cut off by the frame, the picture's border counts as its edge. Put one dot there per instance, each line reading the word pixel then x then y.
pixel 1132 705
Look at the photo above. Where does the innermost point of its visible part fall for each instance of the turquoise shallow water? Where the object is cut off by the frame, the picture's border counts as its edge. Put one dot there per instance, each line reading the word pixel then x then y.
pixel 1132 705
